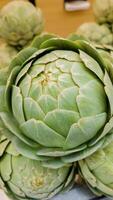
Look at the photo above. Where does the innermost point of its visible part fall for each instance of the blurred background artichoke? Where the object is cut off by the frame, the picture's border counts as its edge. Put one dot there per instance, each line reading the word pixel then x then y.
pixel 103 11
pixel 7 53
pixel 20 21
pixel 96 33
pixel 56 103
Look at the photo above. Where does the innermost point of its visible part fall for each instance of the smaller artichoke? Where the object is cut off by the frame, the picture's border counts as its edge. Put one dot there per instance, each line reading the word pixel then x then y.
pixel 26 179
pixel 7 53
pixel 103 11
pixel 95 33
pixel 97 170
pixel 20 21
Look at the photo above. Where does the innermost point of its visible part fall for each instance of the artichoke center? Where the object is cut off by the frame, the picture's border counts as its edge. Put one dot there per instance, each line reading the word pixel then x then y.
pixel 37 182
pixel 46 78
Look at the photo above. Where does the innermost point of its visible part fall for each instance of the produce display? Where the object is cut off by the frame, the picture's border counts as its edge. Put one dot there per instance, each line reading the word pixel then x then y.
pixel 56 104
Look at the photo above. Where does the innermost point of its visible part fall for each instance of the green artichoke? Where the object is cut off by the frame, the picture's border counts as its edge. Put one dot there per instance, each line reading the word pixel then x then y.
pixel 20 21
pixel 7 53
pixel 103 11
pixel 97 170
pixel 26 179
pixel 95 33
pixel 106 51
pixel 57 104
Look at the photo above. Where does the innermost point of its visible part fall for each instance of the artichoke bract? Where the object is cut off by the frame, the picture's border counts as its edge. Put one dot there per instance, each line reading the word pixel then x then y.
pixel 25 179
pixel 57 104
pixel 103 11
pixel 20 21
pixel 95 33
pixel 7 53
pixel 97 170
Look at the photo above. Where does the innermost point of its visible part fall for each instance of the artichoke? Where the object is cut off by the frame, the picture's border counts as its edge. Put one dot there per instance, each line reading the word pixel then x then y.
pixel 26 179
pixel 95 33
pixel 97 170
pixel 106 51
pixel 57 104
pixel 7 53
pixel 103 11
pixel 20 21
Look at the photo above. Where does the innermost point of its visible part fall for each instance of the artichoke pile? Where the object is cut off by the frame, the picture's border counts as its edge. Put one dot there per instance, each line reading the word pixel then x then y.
pixel 56 106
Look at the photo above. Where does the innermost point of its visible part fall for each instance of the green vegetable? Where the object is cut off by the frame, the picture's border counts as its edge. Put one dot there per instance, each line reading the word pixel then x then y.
pixel 7 53
pixel 97 170
pixel 20 21
pixel 103 11
pixel 106 51
pixel 25 179
pixel 59 101
pixel 95 33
